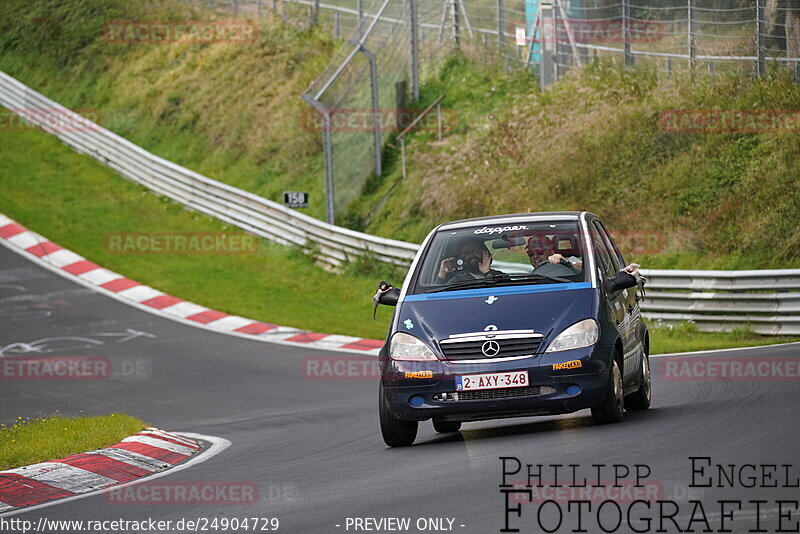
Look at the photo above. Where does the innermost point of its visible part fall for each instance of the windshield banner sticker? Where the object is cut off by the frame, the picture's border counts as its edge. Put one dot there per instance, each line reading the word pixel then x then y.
pixel 499 229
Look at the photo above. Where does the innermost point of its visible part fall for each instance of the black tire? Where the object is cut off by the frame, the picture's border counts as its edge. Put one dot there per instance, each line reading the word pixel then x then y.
pixel 641 399
pixel 396 433
pixel 610 410
pixel 444 427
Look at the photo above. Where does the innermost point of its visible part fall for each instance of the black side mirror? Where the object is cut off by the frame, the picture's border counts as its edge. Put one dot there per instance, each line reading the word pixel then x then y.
pixel 390 297
pixel 387 294
pixel 622 280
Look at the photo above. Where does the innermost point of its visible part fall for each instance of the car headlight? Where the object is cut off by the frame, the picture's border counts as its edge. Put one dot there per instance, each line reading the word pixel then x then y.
pixel 406 347
pixel 580 335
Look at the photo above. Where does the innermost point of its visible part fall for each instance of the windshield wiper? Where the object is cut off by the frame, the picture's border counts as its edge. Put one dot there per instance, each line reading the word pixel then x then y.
pixel 466 284
pixel 536 278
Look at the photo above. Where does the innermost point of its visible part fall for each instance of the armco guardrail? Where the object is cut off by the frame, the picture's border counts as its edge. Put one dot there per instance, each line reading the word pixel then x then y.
pixel 768 302
pixel 250 212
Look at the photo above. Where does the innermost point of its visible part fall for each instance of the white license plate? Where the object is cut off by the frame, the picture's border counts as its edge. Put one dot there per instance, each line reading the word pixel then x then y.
pixel 513 379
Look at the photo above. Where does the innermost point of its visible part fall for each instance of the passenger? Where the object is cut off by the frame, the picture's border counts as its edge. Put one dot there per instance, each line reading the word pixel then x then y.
pixel 540 256
pixel 474 261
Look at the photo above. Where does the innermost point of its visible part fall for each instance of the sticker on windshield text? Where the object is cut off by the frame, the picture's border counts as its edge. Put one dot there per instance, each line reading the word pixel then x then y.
pixel 500 229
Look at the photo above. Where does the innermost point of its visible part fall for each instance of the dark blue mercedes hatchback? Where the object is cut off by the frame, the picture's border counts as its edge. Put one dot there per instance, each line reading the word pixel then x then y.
pixel 514 316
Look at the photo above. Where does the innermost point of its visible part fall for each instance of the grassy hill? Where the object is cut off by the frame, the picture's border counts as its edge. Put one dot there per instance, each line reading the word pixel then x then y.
pixel 593 141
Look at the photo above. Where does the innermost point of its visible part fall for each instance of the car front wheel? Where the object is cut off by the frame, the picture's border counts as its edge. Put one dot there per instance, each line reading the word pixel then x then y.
pixel 444 427
pixel 396 433
pixel 610 410
pixel 641 399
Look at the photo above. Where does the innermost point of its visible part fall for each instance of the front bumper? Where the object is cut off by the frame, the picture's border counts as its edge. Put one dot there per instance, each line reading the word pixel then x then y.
pixel 416 391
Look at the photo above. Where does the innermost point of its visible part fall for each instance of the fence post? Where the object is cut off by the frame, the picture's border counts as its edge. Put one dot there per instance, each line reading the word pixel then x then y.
pixel 454 19
pixel 547 36
pixel 413 37
pixel 692 31
pixel 501 26
pixel 327 147
pixel 626 31
pixel 360 8
pixel 376 115
pixel 760 34
pixel 315 13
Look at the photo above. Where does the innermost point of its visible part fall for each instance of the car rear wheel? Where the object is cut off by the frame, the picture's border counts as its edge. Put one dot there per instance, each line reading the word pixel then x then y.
pixel 610 410
pixel 444 427
pixel 641 399
pixel 396 433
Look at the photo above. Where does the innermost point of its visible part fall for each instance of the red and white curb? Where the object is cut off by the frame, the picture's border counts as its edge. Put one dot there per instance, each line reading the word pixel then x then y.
pixel 77 268
pixel 141 455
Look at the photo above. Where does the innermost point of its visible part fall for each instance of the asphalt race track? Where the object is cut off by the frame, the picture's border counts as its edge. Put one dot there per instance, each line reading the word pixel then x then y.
pixel 313 448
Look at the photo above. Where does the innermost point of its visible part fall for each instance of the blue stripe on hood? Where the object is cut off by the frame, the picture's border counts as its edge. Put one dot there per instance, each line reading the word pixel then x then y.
pixel 497 291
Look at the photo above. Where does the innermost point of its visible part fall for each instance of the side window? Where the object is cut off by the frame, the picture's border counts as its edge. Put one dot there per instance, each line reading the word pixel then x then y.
pixel 614 250
pixel 601 252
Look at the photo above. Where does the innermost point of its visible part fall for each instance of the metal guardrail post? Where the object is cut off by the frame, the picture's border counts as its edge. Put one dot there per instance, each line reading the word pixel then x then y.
pixel 327 147
pixel 760 34
pixel 414 43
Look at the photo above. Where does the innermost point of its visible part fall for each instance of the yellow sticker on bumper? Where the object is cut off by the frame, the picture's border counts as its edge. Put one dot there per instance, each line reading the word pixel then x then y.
pixel 574 364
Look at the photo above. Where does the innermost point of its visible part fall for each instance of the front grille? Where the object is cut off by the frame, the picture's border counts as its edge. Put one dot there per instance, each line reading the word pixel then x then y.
pixel 509 348
pixel 490 394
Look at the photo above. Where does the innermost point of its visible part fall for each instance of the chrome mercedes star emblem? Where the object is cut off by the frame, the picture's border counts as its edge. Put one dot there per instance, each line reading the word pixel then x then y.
pixel 490 348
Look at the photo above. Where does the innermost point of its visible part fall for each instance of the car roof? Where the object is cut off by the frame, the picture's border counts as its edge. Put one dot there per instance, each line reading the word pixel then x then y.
pixel 515 217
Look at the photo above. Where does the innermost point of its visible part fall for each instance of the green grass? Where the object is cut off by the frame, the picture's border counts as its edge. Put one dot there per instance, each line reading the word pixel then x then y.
pixel 593 142
pixel 685 337
pixel 232 112
pixel 75 201
pixel 32 440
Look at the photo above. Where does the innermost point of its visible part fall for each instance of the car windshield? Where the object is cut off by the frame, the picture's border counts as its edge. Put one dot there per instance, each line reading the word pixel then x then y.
pixel 524 253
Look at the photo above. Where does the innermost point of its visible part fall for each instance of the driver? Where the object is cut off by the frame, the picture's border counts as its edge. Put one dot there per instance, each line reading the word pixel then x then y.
pixel 473 262
pixel 540 256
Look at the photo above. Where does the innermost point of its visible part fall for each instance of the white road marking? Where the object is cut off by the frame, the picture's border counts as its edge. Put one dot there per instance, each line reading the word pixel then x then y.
pixel 62 257
pixel 100 276
pixel 217 446
pixel 63 476
pixel 184 309
pixel 160 443
pixel 140 293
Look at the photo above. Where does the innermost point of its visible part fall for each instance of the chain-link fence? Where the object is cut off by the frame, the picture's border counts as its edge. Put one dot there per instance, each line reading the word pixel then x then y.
pixel 363 94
